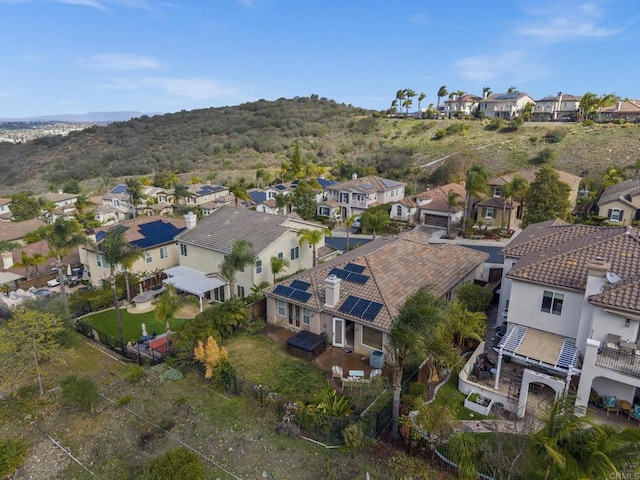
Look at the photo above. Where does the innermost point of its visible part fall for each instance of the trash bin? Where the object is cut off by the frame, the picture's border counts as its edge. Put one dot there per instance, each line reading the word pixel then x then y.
pixel 376 360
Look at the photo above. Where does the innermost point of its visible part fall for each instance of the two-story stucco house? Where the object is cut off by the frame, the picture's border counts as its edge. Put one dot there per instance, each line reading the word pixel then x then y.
pixel 620 203
pixel 353 197
pixel 5 210
pixel 556 108
pixel 627 110
pixel 204 246
pixel 64 204
pixel 157 201
pixel 354 298
pixel 459 106
pixel 570 297
pixel 505 105
pixel 154 235
pixel 207 196
pixel 431 207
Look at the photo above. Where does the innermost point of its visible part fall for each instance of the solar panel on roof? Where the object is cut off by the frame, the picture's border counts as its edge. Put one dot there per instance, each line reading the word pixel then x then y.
pixel 360 307
pixel 339 273
pixel 357 278
pixel 367 186
pixel 348 304
pixel 119 189
pixel 100 236
pixel 299 295
pixel 282 290
pixel 279 187
pixel 389 183
pixel 352 267
pixel 300 285
pixel 372 311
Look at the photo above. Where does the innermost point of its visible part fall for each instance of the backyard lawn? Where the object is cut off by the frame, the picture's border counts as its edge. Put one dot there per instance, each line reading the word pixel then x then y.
pixel 261 360
pixel 105 321
pixel 449 395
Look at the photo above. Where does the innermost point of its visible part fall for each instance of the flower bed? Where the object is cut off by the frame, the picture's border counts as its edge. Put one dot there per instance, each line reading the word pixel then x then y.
pixel 478 403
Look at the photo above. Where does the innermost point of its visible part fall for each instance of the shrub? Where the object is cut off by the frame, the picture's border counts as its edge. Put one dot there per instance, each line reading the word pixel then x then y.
pixel 417 389
pixel 178 464
pixel 82 392
pixel 353 436
pixel 12 455
pixel 546 155
pixel 124 401
pixel 474 298
pixel 555 136
pixel 495 124
pixel 440 134
pixel 134 373
pixel 224 373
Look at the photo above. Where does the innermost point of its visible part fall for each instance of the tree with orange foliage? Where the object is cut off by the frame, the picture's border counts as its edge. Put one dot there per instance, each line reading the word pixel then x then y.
pixel 209 355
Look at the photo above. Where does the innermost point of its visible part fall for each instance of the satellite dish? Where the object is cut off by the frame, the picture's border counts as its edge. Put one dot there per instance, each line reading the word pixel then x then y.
pixel 612 277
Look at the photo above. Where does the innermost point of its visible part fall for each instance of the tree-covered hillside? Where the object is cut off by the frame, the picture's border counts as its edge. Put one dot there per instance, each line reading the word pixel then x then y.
pixel 236 141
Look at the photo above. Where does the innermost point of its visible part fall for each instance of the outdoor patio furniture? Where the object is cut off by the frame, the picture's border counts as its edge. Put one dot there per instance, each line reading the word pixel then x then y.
pixel 480 372
pixel 487 360
pixel 336 372
pixel 634 413
pixel 376 372
pixel 611 405
pixel 613 342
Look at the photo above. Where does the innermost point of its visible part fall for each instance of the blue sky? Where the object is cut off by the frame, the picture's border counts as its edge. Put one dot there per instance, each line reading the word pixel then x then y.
pixel 78 56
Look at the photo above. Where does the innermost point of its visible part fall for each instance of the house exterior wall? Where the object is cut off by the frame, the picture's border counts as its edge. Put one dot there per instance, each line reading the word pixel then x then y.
pixel 505 290
pixel 402 212
pixel 629 211
pixel 527 309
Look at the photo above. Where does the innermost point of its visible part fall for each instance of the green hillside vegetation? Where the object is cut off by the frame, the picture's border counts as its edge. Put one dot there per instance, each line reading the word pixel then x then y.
pixel 234 142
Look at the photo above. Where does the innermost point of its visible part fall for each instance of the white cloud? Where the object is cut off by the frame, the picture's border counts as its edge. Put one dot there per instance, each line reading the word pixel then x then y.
pixel 84 3
pixel 555 23
pixel 510 66
pixel 119 61
pixel 419 19
pixel 190 88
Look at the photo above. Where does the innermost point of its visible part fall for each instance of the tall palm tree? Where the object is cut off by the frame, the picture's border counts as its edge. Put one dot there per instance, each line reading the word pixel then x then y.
pixel 419 319
pixel 486 91
pixel 348 223
pixel 167 304
pixel 278 265
pixel 282 201
pixel 452 202
pixel 117 250
pixel 421 98
pixel 400 96
pixel 313 238
pixel 180 192
pixel 62 237
pixel 134 187
pixel 516 188
pixel 239 257
pixel 476 183
pixel 442 92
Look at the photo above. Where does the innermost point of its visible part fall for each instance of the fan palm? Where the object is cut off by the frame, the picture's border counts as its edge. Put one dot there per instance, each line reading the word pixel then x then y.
pixel 516 188
pixel 30 262
pixel 313 238
pixel 117 250
pixel 476 184
pixel 278 265
pixel 240 193
pixel 442 92
pixel 452 203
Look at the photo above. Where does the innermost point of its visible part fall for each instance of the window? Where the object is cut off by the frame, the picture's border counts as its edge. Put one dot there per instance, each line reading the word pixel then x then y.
pixel 399 210
pixel 148 257
pixel 552 303
pixel 164 252
pixel 615 215
pixel 183 250
pixel 295 253
pixel 324 211
pixel 489 212
pixel 240 291
pixel 344 198
pixel 306 316
pixel 371 337
pixel 497 192
pixel 280 254
pixel 258 266
pixel 282 310
pixel 506 305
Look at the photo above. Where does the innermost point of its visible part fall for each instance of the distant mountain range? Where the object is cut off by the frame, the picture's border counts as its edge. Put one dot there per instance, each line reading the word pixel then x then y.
pixel 91 117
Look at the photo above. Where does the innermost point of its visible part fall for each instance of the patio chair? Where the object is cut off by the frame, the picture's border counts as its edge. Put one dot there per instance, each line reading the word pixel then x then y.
pixel 613 342
pixel 634 413
pixel 336 372
pixel 481 373
pixel 611 405
pixel 375 373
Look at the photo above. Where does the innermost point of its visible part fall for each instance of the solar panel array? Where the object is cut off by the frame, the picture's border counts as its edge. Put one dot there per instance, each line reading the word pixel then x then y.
pixel 280 187
pixel 361 307
pixel 156 233
pixel 293 293
pixel 300 285
pixel 206 189
pixel 119 189
pixel 352 267
pixel 349 276
pixel 389 183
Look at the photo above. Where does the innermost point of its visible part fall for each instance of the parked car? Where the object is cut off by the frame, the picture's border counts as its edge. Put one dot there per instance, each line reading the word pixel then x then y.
pixel 53 282
pixel 356 224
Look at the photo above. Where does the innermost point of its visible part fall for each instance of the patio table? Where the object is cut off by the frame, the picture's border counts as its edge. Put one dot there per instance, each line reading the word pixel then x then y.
pixel 624 405
pixel 356 373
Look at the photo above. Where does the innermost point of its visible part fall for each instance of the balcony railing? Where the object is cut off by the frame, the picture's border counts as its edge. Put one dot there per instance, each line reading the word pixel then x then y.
pixel 627 363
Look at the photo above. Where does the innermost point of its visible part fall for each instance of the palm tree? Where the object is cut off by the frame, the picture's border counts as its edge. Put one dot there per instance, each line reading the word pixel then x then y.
pixel 452 203
pixel 348 223
pixel 375 221
pixel 239 257
pixel 117 250
pixel 486 91
pixel 516 188
pixel 240 193
pixel 464 324
pixel 400 96
pixel 278 265
pixel 180 191
pixel 282 201
pixel 512 89
pixel 134 187
pixel 30 262
pixel 442 92
pixel 475 184
pixel 418 319
pixel 406 105
pixel 62 237
pixel 612 176
pixel 313 238
pixel 421 97
pixel 561 425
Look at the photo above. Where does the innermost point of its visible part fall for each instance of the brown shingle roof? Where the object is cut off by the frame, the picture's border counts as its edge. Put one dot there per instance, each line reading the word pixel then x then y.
pixel 622 296
pixel 367 185
pixel 564 263
pixel 13 231
pixel 619 191
pixel 396 267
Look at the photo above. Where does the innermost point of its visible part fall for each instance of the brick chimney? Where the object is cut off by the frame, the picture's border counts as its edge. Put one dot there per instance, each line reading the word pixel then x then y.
pixel 191 219
pixel 332 291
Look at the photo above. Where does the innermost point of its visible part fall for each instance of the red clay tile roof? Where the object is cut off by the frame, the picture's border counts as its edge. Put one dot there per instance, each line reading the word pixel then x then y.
pixel 397 267
pixel 619 191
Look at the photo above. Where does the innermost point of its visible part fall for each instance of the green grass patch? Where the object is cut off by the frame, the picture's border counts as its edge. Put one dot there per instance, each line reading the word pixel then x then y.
pixel 261 360
pixel 105 321
pixel 449 395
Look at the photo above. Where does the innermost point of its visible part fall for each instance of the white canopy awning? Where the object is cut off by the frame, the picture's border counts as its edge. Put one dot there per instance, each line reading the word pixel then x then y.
pixel 192 281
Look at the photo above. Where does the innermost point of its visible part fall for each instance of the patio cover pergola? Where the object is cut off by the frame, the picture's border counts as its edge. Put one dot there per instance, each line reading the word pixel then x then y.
pixel 539 348
pixel 192 281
